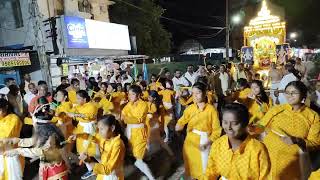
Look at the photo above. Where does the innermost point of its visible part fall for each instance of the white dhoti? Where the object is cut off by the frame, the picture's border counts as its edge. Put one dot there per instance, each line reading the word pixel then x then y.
pixel 204 139
pixel 130 126
pixel 111 176
pixel 88 127
pixel 167 105
pixel 13 167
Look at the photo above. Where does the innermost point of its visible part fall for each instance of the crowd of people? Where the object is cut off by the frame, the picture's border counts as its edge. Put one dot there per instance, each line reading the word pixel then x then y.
pixel 236 123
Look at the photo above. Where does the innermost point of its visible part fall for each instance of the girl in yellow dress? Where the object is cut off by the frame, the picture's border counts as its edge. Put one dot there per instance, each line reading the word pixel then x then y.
pixel 237 155
pixel 243 91
pixel 134 115
pixel 118 98
pixel 11 168
pixel 72 90
pixel 168 99
pixel 291 129
pixel 112 150
pixel 103 98
pixel 61 119
pixel 103 91
pixel 257 102
pixel 154 123
pixel 203 129
pixel 145 93
pixel 154 84
pixel 85 113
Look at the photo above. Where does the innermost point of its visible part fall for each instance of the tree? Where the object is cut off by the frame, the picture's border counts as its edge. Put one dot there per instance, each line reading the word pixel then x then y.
pixel 144 23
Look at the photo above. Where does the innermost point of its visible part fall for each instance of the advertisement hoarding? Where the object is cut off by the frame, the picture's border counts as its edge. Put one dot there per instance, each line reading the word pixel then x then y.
pixel 87 33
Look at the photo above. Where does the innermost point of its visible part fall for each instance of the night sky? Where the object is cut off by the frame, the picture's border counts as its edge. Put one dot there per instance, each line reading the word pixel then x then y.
pixel 301 17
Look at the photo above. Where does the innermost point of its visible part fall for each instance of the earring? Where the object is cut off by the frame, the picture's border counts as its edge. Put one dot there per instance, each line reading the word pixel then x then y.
pixel 303 101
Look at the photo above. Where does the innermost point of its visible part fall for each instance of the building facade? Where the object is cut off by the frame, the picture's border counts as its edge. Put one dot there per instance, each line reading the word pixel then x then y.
pixel 22 26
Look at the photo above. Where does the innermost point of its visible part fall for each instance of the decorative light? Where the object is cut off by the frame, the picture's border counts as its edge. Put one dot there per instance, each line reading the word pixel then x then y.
pixel 264 16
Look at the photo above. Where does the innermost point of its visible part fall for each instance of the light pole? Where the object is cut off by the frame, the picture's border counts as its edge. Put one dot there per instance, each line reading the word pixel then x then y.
pixel 227 30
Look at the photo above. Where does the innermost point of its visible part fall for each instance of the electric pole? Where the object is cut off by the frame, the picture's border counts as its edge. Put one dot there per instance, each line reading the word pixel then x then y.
pixel 227 30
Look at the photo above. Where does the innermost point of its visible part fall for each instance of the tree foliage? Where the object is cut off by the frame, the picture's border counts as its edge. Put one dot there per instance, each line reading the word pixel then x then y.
pixel 144 23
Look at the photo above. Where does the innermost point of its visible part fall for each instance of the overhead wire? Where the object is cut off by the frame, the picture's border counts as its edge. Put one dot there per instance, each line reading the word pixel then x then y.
pixel 172 19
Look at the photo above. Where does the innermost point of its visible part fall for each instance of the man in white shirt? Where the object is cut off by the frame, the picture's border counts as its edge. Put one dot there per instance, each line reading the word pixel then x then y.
pixel 239 73
pixel 287 78
pixel 113 78
pixel 126 78
pixel 32 92
pixel 224 80
pixel 190 75
pixel 179 81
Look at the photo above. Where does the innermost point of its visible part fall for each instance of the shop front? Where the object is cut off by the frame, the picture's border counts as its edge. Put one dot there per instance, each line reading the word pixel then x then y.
pixel 90 48
pixel 15 63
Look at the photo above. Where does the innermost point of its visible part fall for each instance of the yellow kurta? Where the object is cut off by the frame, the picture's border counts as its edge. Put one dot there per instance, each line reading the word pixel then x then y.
pixel 62 120
pixel 154 86
pixel 145 95
pixel 72 95
pixel 117 97
pixel 10 127
pixel 106 105
pixel 152 111
pixel 100 94
pixel 136 113
pixel 205 121
pixel 168 97
pixel 281 119
pixel 112 158
pixel 249 161
pixel 242 95
pixel 211 98
pixel 90 111
pixel 315 175
pixel 257 111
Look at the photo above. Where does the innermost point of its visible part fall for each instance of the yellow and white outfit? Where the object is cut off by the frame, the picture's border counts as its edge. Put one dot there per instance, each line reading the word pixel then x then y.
pixel 203 126
pixel 135 115
pixel 11 168
pixel 62 120
pixel 85 128
pixel 249 161
pixel 112 159
pixel 168 97
pixel 282 120
pixel 106 105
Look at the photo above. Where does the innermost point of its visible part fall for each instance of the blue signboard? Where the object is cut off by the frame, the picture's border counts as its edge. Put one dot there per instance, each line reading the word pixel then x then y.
pixel 76 32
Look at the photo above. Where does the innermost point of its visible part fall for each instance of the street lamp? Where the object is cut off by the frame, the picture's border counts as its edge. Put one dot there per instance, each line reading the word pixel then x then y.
pixel 236 19
pixel 293 35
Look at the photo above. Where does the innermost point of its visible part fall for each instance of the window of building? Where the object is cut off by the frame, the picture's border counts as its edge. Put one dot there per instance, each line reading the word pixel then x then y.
pixel 10 14
pixel 17 13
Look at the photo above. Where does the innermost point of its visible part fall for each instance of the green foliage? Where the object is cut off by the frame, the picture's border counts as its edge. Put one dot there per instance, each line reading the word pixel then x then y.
pixel 144 23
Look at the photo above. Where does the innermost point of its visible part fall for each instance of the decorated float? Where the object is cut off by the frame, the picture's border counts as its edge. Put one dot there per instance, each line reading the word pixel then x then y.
pixel 264 40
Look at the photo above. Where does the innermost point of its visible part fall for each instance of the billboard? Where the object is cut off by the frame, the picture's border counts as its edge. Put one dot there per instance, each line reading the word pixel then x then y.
pixel 87 33
pixel 14 59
